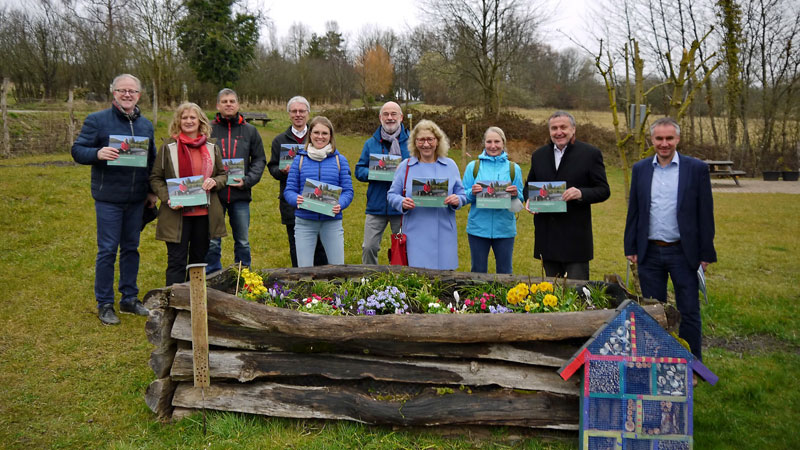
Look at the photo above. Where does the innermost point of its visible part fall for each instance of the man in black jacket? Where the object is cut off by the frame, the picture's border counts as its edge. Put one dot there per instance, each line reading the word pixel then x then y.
pixel 238 140
pixel 120 190
pixel 299 110
pixel 563 241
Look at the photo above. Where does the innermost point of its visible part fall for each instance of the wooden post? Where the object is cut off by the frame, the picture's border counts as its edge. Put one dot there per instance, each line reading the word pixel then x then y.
pixel 155 104
pixel 4 107
pixel 463 146
pixel 410 120
pixel 71 108
pixel 198 299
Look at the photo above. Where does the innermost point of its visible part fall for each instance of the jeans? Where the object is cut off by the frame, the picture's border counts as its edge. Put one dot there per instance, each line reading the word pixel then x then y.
pixel 320 259
pixel 374 227
pixel 479 251
pixel 118 227
pixel 330 232
pixel 662 262
pixel 192 248
pixel 239 218
pixel 573 270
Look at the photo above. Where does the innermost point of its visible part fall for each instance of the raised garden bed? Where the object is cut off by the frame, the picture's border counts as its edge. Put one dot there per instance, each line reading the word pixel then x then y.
pixel 414 369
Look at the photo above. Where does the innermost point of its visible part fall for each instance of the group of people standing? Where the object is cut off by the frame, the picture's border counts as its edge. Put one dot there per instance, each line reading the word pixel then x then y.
pixel 669 230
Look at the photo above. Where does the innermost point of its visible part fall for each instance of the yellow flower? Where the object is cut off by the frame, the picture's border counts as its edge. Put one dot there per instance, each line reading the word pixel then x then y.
pixel 527 306
pixel 534 288
pixel 550 300
pixel 545 286
pixel 523 289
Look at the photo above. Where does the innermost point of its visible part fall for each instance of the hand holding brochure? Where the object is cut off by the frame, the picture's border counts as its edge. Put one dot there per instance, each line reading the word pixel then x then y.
pixel 493 195
pixel 429 192
pixel 235 169
pixel 187 191
pixel 320 197
pixel 545 196
pixel 132 150
pixel 288 152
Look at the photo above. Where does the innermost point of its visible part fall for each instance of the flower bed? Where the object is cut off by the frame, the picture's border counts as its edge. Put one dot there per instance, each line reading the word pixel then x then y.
pixel 382 345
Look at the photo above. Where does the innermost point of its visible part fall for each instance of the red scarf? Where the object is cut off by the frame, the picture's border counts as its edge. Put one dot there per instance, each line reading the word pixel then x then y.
pixel 184 158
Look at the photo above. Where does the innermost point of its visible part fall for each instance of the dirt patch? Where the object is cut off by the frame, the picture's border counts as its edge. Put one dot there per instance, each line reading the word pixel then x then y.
pixel 755 186
pixel 750 344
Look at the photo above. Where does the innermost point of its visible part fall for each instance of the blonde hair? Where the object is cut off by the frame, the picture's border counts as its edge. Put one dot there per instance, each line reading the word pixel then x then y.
pixel 441 138
pixel 175 125
pixel 499 132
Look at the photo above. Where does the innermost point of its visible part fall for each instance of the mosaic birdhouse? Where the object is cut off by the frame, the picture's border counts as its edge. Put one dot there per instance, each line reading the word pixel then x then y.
pixel 636 391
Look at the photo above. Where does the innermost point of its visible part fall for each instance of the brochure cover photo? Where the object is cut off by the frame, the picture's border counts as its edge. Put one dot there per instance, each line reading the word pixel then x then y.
pixel 429 192
pixel 545 196
pixel 288 152
pixel 493 195
pixel 382 167
pixel 132 150
pixel 234 167
pixel 187 191
pixel 320 197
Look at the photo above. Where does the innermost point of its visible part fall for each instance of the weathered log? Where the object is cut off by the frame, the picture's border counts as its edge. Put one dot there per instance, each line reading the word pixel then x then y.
pixel 550 354
pixel 158 328
pixel 159 397
pixel 455 328
pixel 429 407
pixel 247 366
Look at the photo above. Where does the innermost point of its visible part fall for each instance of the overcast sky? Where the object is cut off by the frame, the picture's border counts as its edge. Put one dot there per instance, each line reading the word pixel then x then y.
pixel 567 16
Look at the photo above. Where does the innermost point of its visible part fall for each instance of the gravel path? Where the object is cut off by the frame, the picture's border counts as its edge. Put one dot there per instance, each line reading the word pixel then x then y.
pixel 753 185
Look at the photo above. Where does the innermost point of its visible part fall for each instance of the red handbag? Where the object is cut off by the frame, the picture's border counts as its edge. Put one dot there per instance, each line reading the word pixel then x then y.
pixel 398 252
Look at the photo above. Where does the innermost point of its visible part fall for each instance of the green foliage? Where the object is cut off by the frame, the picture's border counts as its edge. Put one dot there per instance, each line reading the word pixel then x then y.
pixel 216 44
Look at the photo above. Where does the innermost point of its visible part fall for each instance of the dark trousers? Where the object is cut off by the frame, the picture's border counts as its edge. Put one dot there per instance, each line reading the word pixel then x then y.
pixel 118 228
pixel 663 262
pixel 479 252
pixel 574 270
pixel 320 258
pixel 191 250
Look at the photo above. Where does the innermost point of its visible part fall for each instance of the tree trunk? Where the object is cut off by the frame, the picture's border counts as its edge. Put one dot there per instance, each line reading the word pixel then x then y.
pixel 4 107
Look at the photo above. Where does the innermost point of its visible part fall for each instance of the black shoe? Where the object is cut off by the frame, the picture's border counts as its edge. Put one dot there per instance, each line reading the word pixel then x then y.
pixel 133 307
pixel 105 313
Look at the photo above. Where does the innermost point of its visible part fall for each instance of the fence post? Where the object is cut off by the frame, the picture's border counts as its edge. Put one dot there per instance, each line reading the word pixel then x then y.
pixel 71 125
pixel 463 146
pixel 4 107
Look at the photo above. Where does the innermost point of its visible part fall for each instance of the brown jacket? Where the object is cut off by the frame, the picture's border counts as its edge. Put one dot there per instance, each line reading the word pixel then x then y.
pixel 170 221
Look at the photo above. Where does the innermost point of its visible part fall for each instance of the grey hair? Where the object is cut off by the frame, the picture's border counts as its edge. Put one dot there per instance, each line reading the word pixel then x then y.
pixel 666 121
pixel 499 132
pixel 225 92
pixel 562 114
pixel 298 99
pixel 125 75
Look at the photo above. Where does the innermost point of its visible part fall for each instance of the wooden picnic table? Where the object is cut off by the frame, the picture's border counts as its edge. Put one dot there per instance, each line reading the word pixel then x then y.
pixel 724 169
pixel 251 116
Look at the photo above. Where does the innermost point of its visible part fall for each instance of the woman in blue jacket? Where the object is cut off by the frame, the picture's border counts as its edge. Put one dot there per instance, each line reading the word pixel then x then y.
pixel 492 228
pixel 319 161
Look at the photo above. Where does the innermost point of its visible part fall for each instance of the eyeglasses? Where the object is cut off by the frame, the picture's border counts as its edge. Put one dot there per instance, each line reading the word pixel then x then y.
pixel 298 111
pixel 427 140
pixel 126 91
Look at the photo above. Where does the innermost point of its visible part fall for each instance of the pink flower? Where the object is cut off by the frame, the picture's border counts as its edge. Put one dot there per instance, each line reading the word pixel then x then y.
pixel 483 305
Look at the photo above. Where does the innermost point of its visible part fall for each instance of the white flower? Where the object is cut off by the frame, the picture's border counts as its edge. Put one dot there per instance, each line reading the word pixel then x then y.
pixel 455 296
pixel 586 292
pixel 308 305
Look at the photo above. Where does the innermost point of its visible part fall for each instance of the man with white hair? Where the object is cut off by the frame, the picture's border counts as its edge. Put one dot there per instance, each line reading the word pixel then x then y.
pixel 391 138
pixel 299 110
pixel 120 191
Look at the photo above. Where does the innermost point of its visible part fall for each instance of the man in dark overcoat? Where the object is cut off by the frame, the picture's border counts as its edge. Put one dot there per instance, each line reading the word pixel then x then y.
pixel 563 241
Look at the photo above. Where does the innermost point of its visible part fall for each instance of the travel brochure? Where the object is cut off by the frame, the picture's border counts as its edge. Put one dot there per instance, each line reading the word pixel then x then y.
pixel 320 197
pixel 235 169
pixel 132 150
pixel 545 196
pixel 382 166
pixel 187 191
pixel 288 152
pixel 493 195
pixel 429 192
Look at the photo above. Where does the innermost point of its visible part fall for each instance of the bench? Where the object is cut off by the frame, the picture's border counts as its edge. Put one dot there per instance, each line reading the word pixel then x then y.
pixel 724 169
pixel 251 116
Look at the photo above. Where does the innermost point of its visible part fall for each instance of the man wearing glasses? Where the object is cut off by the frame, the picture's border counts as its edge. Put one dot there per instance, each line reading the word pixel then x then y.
pixel 391 138
pixel 299 110
pixel 120 189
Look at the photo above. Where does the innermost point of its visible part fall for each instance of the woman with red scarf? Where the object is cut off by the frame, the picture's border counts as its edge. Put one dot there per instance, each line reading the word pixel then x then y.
pixel 187 230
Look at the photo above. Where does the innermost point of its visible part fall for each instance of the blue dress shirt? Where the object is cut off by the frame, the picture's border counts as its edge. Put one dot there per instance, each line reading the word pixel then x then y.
pixel 664 201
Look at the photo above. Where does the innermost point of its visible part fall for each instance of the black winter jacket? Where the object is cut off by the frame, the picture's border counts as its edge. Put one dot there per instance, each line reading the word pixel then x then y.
pixel 239 139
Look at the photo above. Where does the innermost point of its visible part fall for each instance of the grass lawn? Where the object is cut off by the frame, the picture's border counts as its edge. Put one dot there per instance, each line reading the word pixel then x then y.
pixel 68 382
